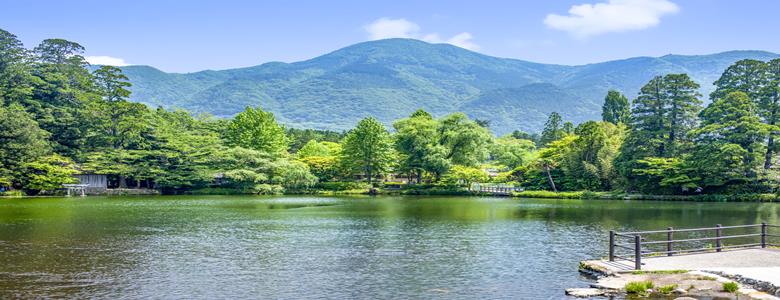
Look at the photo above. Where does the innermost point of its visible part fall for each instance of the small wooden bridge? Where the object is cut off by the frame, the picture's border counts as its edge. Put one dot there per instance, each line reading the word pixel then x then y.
pixel 495 189
pixel 632 247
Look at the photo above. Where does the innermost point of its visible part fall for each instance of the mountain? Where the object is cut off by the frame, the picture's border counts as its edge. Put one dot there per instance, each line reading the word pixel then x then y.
pixel 389 79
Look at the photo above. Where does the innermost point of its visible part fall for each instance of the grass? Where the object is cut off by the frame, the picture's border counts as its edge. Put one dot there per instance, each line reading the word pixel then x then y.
pixel 708 278
pixel 667 289
pixel 663 272
pixel 749 197
pixel 730 287
pixel 638 287
pixel 549 194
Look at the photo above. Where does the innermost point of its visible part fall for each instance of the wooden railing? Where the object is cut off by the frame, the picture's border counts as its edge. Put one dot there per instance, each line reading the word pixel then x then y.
pixel 495 189
pixel 641 244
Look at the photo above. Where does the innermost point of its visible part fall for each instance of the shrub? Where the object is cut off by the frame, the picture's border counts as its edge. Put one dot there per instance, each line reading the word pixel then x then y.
pixel 638 287
pixel 730 287
pixel 341 186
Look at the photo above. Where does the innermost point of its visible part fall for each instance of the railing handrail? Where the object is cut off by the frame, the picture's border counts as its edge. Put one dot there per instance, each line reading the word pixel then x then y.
pixel 632 233
pixel 638 240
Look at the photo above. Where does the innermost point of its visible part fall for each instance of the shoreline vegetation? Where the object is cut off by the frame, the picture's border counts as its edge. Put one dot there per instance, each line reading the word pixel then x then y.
pixel 463 192
pixel 62 120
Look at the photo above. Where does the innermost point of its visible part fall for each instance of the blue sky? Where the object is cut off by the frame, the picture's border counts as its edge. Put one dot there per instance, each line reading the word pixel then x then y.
pixel 185 36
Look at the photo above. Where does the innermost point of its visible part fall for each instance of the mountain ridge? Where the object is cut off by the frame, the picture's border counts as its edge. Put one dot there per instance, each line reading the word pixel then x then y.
pixel 391 78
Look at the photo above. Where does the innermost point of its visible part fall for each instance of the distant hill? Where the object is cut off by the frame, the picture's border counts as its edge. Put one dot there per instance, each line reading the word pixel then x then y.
pixel 389 79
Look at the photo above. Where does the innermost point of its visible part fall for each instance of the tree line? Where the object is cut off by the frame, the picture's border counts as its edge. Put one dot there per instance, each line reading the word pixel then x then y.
pixel 60 117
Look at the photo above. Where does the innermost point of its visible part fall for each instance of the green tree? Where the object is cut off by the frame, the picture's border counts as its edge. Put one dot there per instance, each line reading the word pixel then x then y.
pixel 553 129
pixel 21 140
pixel 730 126
pixel 257 129
pixel 314 148
pixel 15 85
pixel 48 173
pixel 663 114
pixel 417 142
pixel 465 142
pixel 111 83
pixel 466 176
pixel 589 164
pixel 550 157
pixel 367 149
pixel 747 76
pixel 769 107
pixel 512 152
pixel 616 108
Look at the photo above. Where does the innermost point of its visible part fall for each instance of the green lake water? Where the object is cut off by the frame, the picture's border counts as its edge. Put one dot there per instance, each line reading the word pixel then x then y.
pixel 227 247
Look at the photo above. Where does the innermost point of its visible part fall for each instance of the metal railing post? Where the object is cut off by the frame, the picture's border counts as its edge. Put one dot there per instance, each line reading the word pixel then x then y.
pixel 763 235
pixel 637 252
pixel 717 240
pixel 669 241
pixel 611 245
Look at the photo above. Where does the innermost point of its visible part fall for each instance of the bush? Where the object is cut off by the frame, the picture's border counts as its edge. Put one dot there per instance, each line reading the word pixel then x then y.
pixel 667 289
pixel 341 186
pixel 639 287
pixel 549 194
pixel 12 193
pixel 730 287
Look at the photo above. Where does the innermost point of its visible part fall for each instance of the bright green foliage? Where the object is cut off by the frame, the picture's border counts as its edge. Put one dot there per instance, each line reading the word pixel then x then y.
pixel 293 175
pixel 241 168
pixel 464 141
pixel 589 165
pixel 417 142
pixel 730 141
pixel 21 141
pixel 257 129
pixel 553 129
pixel 730 287
pixel 367 150
pixel 522 135
pixel 48 173
pixel 15 77
pixel 639 287
pixel 325 168
pixel 663 114
pixel 313 148
pixel 112 83
pixel 747 76
pixel 511 152
pixel 667 289
pixel 616 108
pixel 550 157
pixel 299 137
pixel 665 174
pixel 322 159
pixel 465 176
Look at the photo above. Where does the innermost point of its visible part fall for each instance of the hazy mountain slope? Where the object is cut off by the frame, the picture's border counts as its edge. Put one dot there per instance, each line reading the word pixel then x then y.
pixel 389 79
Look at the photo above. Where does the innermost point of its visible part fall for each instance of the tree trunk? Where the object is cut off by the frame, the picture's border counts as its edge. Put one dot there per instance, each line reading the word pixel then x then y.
pixel 549 177
pixel 138 183
pixel 122 182
pixel 419 176
pixel 770 144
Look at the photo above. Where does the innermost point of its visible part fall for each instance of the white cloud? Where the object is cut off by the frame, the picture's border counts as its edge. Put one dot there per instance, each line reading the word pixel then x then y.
pixel 385 28
pixel 588 20
pixel 106 60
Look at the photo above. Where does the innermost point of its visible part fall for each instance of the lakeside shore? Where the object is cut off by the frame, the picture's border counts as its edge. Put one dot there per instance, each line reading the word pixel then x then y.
pixel 450 191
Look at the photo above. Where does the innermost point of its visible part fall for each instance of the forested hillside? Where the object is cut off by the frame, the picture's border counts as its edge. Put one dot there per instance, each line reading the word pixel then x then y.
pixel 392 78
pixel 60 117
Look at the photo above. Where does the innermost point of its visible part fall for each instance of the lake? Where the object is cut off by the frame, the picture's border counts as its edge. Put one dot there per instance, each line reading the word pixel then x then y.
pixel 293 247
